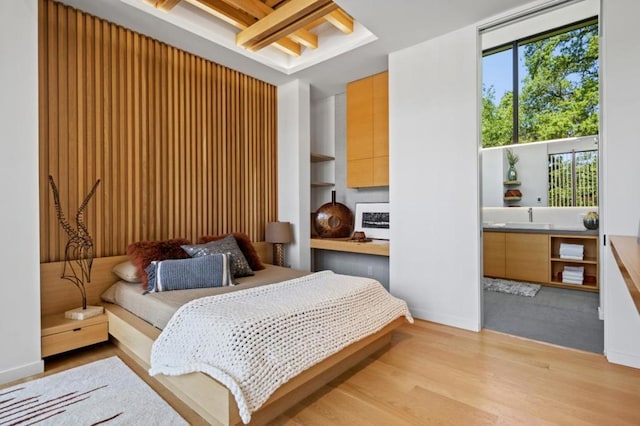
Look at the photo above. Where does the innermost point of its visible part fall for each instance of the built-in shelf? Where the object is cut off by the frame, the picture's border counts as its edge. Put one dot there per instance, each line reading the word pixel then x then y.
pixel 321 184
pixel 318 158
pixel 512 198
pixel 375 247
pixel 511 182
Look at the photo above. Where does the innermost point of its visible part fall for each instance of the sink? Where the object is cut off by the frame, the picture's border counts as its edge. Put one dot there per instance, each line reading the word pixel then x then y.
pixel 528 225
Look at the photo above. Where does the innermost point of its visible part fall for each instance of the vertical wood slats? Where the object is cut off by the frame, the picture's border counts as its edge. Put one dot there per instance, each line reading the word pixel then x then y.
pixel 184 147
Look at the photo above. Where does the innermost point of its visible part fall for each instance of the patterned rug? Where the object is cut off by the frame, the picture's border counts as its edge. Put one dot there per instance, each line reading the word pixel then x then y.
pixel 104 392
pixel 512 287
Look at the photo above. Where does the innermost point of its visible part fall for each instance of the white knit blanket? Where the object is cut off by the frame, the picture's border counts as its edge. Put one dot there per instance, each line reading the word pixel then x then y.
pixel 255 340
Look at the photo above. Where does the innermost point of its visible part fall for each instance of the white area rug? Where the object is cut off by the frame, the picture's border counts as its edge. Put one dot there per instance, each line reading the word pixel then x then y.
pixel 512 287
pixel 105 392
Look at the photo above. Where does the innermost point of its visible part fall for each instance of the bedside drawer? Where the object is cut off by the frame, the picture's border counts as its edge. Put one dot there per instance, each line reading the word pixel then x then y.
pixel 75 338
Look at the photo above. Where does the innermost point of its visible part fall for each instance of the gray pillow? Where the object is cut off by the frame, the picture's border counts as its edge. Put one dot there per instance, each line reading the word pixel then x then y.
pixel 184 274
pixel 228 245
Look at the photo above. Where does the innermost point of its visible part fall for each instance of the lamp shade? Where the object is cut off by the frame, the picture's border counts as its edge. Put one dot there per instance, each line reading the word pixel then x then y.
pixel 278 232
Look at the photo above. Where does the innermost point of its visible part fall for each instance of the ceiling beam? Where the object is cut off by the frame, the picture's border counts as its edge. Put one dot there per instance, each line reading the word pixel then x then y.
pixel 341 20
pixel 259 10
pixel 166 5
pixel 242 21
pixel 283 21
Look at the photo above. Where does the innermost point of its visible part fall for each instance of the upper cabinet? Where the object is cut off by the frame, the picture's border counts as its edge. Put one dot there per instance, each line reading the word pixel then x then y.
pixel 368 132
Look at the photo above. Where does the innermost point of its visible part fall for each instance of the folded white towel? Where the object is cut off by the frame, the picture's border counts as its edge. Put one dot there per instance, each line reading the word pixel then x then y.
pixel 579 269
pixel 573 277
pixel 569 281
pixel 571 246
pixel 564 256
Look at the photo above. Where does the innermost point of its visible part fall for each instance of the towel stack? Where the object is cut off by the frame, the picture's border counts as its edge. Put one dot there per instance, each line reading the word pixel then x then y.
pixel 572 251
pixel 573 275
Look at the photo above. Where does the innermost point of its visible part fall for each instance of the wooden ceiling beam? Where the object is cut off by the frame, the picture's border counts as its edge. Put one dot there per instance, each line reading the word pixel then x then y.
pixel 341 20
pixel 259 10
pixel 289 18
pixel 242 21
pixel 166 5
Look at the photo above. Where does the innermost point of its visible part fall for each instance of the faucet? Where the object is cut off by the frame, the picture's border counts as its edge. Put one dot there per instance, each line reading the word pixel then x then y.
pixel 530 214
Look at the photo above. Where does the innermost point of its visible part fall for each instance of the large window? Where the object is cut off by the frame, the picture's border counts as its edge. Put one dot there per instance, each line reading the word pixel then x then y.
pixel 541 88
pixel 573 179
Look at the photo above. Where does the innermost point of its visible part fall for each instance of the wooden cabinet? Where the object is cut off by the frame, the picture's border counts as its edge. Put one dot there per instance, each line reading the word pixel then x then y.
pixel 527 257
pixel 536 258
pixel 493 254
pixel 368 132
pixel 60 334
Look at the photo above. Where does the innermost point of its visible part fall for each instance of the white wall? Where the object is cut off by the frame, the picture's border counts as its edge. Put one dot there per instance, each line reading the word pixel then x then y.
pixel 19 256
pixel 323 141
pixel 434 183
pixel 621 172
pixel 294 134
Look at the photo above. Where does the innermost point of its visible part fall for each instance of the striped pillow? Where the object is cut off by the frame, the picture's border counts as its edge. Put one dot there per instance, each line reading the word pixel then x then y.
pixel 184 274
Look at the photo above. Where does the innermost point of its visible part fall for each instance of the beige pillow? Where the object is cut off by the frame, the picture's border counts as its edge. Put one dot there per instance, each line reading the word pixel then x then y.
pixel 127 271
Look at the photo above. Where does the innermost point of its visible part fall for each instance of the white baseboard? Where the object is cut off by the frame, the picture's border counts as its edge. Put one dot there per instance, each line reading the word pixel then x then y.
pixel 21 372
pixel 623 359
pixel 451 320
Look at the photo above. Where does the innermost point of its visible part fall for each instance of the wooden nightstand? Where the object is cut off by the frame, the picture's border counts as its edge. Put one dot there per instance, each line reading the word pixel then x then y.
pixel 60 334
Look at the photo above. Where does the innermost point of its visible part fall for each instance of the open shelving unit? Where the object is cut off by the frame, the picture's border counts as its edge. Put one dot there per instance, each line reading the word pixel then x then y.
pixel 509 184
pixel 320 158
pixel 590 261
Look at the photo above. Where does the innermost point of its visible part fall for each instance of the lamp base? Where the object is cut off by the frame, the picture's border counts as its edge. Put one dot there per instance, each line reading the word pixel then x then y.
pixel 278 254
pixel 82 314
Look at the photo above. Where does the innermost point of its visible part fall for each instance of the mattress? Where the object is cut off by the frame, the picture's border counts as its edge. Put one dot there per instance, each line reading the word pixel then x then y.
pixel 158 308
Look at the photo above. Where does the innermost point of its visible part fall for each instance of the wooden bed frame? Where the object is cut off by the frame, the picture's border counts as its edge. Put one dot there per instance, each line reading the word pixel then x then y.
pixel 206 396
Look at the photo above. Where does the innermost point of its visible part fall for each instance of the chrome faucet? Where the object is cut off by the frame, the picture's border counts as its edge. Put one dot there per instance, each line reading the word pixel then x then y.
pixel 530 214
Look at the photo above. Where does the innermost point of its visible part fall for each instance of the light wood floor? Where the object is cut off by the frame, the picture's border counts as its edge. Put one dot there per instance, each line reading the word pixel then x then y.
pixel 434 374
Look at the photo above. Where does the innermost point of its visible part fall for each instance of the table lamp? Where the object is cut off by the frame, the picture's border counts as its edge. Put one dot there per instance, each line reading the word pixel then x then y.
pixel 278 233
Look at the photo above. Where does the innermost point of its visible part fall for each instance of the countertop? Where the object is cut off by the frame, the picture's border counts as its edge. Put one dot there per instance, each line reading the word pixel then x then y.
pixel 375 247
pixel 560 230
pixel 626 251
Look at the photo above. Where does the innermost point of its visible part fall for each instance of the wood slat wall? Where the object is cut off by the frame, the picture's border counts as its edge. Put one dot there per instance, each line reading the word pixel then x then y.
pixel 184 147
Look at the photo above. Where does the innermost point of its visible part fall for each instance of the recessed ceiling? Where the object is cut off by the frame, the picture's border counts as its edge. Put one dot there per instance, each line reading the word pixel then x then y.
pixel 286 35
pixel 396 24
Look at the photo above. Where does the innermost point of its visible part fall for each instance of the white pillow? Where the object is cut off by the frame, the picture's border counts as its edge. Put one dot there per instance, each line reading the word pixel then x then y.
pixel 127 271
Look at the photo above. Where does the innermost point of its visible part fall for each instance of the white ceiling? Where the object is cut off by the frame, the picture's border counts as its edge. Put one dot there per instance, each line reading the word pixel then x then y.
pixel 397 24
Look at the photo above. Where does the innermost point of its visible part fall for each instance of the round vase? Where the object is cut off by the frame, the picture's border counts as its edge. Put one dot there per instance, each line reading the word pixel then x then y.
pixel 591 220
pixel 512 174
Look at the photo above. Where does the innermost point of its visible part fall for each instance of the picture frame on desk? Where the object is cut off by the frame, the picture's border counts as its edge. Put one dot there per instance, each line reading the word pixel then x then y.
pixel 373 220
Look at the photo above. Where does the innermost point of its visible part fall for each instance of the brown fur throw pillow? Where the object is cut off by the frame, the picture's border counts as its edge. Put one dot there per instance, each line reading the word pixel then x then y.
pixel 246 247
pixel 143 252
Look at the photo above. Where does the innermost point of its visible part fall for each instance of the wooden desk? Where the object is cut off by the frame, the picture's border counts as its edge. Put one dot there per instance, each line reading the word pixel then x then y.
pixel 626 250
pixel 375 247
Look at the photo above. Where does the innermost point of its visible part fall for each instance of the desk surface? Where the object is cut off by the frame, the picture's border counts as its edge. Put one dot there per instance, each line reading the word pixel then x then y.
pixel 626 250
pixel 375 247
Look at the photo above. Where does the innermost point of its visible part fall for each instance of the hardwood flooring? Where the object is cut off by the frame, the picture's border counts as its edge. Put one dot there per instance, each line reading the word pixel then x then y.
pixel 434 374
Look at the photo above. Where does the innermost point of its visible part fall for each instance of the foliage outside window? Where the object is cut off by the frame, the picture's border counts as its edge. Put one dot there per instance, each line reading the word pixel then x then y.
pixel 555 80
pixel 573 179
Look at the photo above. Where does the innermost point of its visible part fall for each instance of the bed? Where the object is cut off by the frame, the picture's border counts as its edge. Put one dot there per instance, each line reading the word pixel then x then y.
pixel 208 397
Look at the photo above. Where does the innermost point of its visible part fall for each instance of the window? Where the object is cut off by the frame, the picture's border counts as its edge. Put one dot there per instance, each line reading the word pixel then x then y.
pixel 573 179
pixel 543 87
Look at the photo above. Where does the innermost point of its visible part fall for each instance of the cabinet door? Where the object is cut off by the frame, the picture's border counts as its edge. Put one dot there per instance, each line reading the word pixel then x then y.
pixel 360 119
pixel 493 254
pixel 381 115
pixel 359 173
pixel 527 257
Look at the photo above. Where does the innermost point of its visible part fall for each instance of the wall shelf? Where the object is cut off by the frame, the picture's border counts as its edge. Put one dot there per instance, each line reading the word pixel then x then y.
pixel 321 184
pixel 318 158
